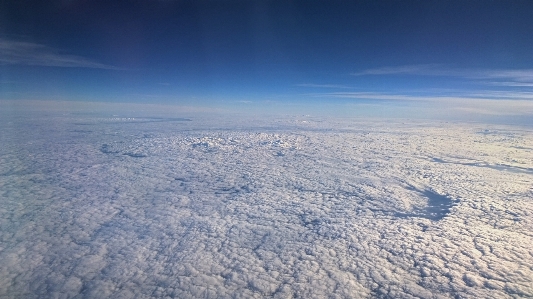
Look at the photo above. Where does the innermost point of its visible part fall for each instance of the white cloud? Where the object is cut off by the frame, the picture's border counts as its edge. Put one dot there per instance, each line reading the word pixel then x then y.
pixel 524 75
pixel 510 84
pixel 371 96
pixel 323 85
pixel 28 53
pixel 513 75
pixel 212 209
pixel 484 102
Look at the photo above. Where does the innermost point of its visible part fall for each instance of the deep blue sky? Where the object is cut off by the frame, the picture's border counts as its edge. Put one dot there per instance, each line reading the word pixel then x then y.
pixel 265 51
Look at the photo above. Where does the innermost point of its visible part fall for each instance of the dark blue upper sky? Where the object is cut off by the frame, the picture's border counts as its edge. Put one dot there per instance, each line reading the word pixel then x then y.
pixel 302 51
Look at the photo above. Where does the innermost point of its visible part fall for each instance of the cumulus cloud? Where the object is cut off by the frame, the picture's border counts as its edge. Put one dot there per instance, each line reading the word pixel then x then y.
pixel 29 53
pixel 216 207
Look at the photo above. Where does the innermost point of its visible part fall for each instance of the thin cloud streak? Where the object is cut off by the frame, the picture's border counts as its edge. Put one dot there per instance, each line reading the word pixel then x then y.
pixel 503 104
pixel 521 75
pixel 493 95
pixel 368 96
pixel 525 75
pixel 322 85
pixel 509 84
pixel 33 54
pixel 419 69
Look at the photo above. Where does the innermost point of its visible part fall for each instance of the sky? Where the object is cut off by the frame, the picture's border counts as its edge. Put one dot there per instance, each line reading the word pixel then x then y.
pixel 263 52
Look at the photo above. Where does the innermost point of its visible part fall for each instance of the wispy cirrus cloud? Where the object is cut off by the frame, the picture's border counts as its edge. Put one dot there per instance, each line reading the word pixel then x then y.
pixel 512 77
pixel 486 103
pixel 322 85
pixel 422 96
pixel 510 84
pixel 419 69
pixel 368 96
pixel 523 75
pixel 28 53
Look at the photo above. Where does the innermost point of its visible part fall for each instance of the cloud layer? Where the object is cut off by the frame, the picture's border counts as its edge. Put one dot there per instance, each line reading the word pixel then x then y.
pixel 294 207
